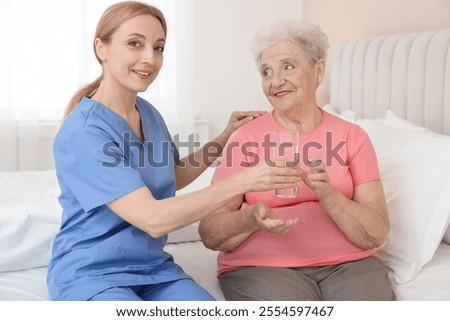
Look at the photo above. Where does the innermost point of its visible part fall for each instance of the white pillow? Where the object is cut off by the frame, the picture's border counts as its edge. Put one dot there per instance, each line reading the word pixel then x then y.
pixel 29 218
pixel 394 121
pixel 416 178
pixel 348 115
pixel 27 232
pixel 26 185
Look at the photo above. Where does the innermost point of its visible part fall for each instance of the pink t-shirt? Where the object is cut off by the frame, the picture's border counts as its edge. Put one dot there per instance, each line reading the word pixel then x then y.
pixel 315 240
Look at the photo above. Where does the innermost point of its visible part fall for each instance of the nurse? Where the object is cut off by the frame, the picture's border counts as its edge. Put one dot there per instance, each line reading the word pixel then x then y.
pixel 118 171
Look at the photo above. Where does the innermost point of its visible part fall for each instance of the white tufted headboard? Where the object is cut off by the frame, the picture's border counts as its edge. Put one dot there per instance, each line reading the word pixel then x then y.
pixel 408 74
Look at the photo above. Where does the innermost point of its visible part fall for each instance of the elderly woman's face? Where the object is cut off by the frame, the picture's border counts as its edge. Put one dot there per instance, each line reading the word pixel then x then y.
pixel 288 79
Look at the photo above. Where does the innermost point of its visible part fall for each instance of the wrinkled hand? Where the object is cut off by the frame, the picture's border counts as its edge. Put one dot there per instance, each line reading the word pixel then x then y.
pixel 269 221
pixel 317 178
pixel 239 118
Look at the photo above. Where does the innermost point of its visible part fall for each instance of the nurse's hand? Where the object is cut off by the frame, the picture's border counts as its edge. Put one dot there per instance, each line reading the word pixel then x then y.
pixel 263 177
pixel 238 119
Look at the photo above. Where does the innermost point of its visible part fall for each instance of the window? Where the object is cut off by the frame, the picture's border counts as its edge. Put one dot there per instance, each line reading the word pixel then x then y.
pixel 47 54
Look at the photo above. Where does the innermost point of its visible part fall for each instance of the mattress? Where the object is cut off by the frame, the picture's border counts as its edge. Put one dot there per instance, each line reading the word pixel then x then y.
pixel 196 260
pixel 432 283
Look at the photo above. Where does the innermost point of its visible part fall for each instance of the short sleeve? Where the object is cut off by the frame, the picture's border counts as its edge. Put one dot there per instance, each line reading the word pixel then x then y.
pixel 93 167
pixel 232 160
pixel 363 163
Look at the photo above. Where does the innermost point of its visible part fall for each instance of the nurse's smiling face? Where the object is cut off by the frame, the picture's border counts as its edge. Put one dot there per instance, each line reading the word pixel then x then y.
pixel 134 56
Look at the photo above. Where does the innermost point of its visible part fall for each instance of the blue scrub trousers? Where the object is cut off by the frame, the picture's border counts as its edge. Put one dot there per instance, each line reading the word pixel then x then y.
pixel 179 290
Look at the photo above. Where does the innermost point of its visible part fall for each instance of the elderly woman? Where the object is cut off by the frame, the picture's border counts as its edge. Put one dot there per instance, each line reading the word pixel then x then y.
pixel 320 245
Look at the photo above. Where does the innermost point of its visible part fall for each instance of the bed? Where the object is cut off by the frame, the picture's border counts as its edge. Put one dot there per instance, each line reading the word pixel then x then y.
pixel 396 87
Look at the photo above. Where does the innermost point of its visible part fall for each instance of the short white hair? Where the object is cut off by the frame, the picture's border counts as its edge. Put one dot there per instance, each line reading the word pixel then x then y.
pixel 309 38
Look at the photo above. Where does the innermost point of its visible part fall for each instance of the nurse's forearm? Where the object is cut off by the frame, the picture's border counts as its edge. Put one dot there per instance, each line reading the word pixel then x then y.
pixel 159 217
pixel 193 165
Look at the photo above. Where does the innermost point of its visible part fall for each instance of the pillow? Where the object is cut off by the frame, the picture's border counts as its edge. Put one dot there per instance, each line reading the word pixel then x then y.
pixel 416 178
pixel 25 185
pixel 27 232
pixel 348 115
pixel 29 218
pixel 393 121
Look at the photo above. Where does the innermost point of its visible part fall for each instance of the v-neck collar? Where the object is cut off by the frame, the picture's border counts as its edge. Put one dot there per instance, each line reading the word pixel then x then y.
pixel 117 118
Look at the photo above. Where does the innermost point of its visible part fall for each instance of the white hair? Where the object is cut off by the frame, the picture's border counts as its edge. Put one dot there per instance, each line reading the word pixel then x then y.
pixel 309 38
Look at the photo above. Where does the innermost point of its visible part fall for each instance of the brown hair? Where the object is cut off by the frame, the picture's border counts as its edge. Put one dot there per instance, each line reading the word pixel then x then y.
pixel 109 22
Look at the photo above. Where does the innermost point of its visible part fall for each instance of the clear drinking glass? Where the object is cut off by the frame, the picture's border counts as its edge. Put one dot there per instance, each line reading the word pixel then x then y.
pixel 284 152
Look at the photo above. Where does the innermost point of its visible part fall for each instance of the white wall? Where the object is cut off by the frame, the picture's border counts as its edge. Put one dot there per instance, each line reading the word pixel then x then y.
pixel 226 78
pixel 347 19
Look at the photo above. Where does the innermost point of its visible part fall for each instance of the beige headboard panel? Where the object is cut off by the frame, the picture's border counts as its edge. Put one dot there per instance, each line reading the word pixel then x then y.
pixel 408 74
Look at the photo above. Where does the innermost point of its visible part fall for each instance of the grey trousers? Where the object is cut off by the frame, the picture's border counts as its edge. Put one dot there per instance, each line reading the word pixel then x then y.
pixel 364 280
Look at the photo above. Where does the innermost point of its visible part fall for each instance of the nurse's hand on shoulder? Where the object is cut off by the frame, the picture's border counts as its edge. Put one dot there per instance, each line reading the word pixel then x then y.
pixel 238 119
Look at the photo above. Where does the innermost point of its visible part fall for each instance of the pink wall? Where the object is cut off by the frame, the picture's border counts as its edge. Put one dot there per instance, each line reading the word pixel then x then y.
pixel 342 20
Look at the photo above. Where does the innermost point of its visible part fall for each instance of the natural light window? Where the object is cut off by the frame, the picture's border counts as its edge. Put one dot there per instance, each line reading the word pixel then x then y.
pixel 47 55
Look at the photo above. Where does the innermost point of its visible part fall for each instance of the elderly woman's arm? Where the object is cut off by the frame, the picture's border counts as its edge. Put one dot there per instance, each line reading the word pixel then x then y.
pixel 364 219
pixel 229 226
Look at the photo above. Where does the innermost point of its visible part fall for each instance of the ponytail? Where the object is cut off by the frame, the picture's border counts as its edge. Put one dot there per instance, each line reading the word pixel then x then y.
pixel 89 90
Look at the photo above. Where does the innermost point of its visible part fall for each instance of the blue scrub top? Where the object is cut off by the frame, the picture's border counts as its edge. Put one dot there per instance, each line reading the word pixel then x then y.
pixel 98 159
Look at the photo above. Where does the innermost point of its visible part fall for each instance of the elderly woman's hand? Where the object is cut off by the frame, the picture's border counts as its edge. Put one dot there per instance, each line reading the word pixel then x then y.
pixel 269 221
pixel 317 178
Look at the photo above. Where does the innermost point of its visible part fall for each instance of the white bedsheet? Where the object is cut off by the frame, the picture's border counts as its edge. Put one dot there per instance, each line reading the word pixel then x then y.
pixel 196 260
pixel 26 285
pixel 432 283
pixel 28 203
